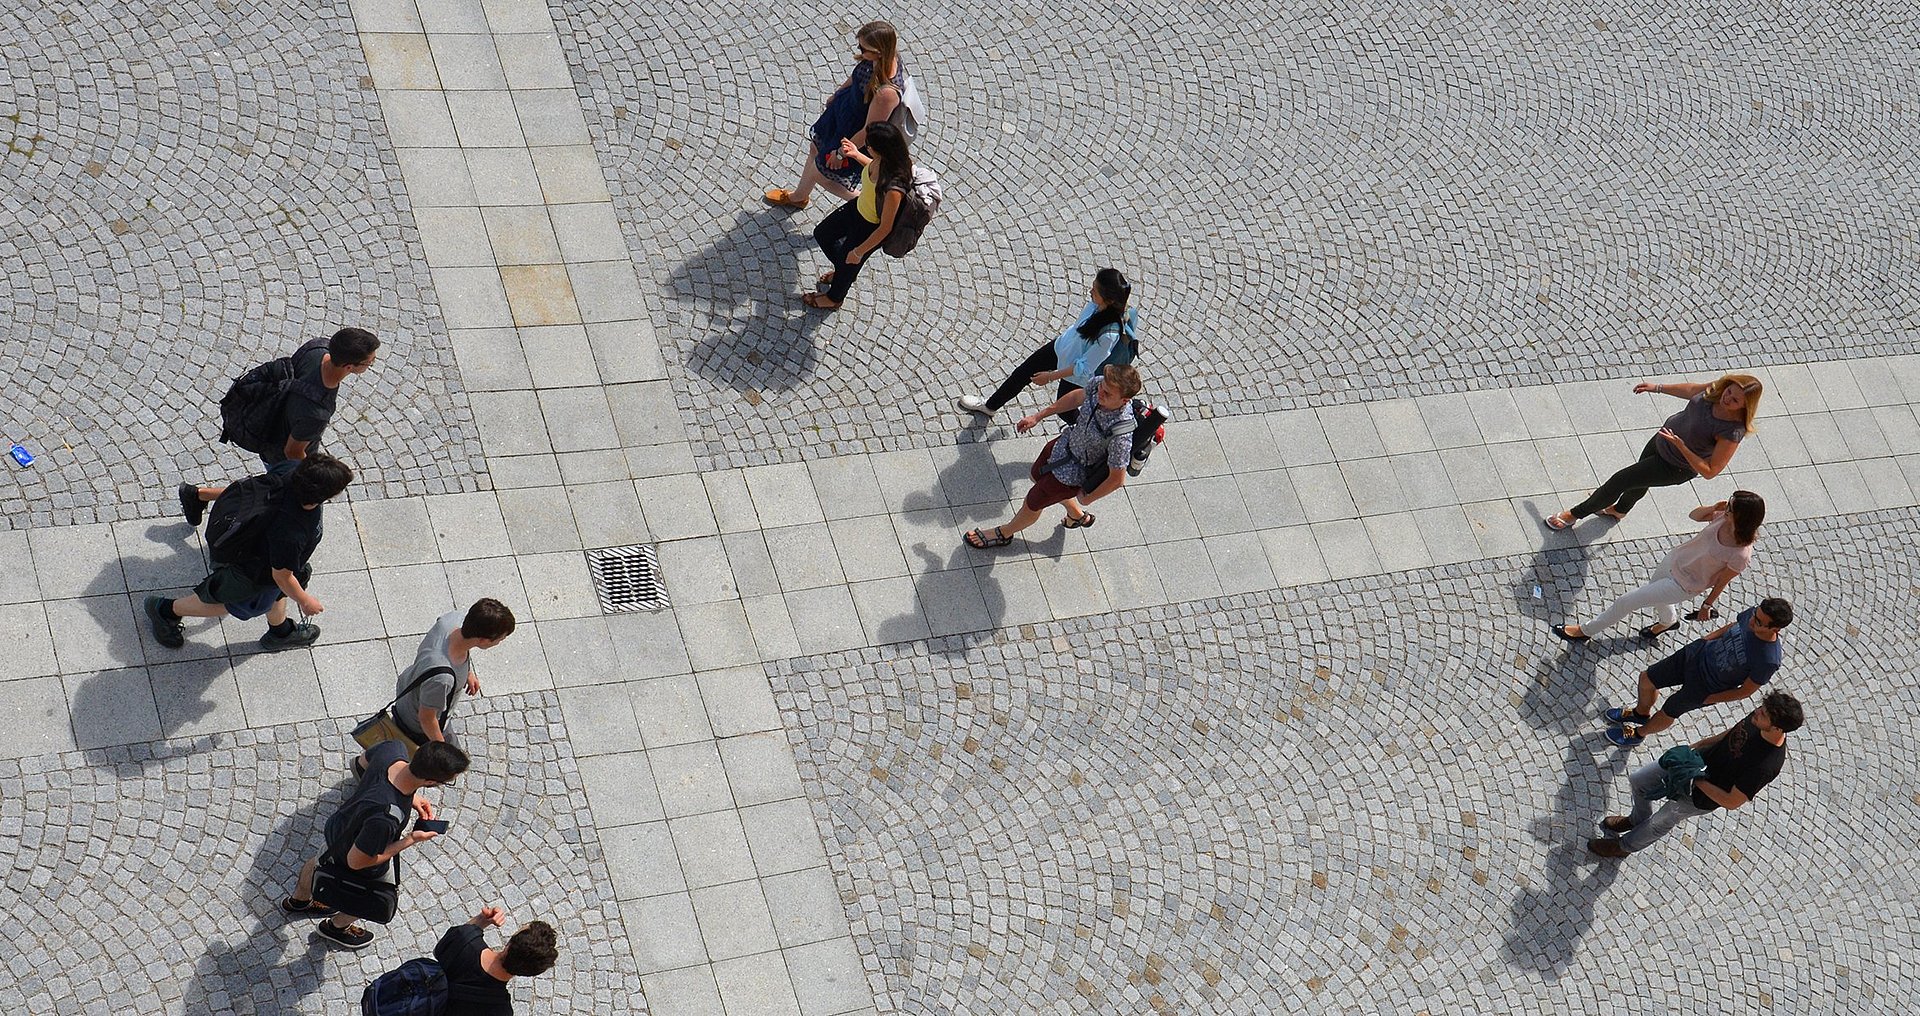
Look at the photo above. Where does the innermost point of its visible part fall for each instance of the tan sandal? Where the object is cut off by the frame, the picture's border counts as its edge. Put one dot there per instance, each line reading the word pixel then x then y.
pixel 783 198
pixel 819 301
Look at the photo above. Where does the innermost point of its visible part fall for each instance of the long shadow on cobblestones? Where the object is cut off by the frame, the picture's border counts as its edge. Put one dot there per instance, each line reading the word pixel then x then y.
pixel 244 974
pixel 740 290
pixel 1550 920
pixel 1564 685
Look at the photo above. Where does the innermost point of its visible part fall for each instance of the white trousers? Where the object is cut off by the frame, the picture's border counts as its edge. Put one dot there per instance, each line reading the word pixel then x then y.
pixel 1662 592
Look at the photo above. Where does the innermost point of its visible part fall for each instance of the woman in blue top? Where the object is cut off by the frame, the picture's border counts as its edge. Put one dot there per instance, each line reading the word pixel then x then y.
pixel 868 96
pixel 1103 334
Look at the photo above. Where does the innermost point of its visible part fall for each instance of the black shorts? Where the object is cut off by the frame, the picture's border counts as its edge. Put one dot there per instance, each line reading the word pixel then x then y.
pixel 1672 673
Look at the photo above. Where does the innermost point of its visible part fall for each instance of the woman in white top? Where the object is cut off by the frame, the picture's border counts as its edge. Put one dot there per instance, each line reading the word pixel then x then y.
pixel 1707 562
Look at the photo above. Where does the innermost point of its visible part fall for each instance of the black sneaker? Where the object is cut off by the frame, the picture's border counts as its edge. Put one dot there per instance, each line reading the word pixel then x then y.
pixel 168 631
pixel 191 506
pixel 302 634
pixel 350 937
pixel 311 908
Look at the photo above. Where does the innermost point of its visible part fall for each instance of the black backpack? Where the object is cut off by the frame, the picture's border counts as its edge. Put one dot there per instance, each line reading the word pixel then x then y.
pixel 1149 429
pixel 237 522
pixel 918 206
pixel 253 413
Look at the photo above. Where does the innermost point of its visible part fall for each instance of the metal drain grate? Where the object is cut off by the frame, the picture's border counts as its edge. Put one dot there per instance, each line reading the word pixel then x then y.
pixel 627 579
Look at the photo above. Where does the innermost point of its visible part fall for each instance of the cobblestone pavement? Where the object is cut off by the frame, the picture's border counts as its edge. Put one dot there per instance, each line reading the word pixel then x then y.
pixel 187 189
pixel 1449 196
pixel 1366 796
pixel 151 875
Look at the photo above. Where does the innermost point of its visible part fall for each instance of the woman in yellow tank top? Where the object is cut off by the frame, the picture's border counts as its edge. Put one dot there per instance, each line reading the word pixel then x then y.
pixel 856 229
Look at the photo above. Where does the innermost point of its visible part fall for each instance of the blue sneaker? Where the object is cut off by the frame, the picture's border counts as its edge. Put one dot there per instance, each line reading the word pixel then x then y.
pixel 1618 735
pixel 1617 716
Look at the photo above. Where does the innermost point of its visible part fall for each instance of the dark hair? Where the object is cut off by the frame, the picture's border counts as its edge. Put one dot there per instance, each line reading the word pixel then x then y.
pixel 531 950
pixel 438 762
pixel 351 347
pixel 1780 610
pixel 1747 510
pixel 1114 288
pixel 1784 710
pixel 889 145
pixel 488 618
pixel 317 478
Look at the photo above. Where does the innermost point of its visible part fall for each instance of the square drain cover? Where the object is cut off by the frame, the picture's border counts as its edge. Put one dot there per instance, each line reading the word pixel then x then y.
pixel 627 578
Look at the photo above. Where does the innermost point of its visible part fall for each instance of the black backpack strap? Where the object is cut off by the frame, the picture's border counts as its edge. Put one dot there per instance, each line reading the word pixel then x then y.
pixel 417 682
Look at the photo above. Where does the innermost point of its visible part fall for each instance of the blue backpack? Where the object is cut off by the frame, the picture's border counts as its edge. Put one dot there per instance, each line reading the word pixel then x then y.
pixel 417 988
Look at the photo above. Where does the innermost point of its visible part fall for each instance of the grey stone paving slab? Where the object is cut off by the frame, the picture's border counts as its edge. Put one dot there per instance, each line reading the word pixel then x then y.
pixel 733 919
pixel 756 984
pixel 641 858
pixel 806 906
pixel 676 506
pixel 760 768
pixel 691 778
pixel 717 635
pixel 621 791
pixel 649 644
pixel 712 848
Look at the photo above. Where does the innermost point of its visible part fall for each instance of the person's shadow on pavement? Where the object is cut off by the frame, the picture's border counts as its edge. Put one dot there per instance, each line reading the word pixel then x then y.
pixel 245 973
pixel 1562 692
pixel 1550 920
pixel 740 293
pixel 109 706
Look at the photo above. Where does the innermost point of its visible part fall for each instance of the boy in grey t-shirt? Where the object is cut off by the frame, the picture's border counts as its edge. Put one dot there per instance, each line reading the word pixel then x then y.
pixel 423 713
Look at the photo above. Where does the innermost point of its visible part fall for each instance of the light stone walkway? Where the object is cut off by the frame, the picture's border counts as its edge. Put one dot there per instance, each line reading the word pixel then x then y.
pixel 728 900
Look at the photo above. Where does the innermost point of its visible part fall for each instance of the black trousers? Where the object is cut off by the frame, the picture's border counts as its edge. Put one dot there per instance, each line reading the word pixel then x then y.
pixel 1625 488
pixel 1022 376
pixel 838 234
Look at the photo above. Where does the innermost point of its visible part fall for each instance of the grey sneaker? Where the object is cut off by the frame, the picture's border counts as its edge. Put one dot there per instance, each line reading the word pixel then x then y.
pixel 303 634
pixel 168 631
pixel 975 404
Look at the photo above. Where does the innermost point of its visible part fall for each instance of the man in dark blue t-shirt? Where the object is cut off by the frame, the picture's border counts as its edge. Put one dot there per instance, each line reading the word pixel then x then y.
pixel 1730 664
pixel 369 830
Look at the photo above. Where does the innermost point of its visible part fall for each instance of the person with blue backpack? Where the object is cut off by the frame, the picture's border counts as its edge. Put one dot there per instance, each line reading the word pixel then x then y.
pixel 466 977
pixel 1103 335
pixel 262 533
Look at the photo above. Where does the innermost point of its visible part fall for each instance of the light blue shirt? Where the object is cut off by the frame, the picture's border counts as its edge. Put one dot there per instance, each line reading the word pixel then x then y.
pixel 1070 350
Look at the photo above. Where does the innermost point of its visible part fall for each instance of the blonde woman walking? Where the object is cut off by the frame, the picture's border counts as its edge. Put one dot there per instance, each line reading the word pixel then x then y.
pixel 1699 440
pixel 1705 563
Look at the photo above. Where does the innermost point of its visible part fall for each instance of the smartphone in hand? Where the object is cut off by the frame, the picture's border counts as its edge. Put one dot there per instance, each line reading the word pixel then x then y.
pixel 430 825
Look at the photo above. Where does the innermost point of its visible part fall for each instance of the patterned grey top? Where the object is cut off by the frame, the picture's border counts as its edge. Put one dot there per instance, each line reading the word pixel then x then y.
pixel 1098 434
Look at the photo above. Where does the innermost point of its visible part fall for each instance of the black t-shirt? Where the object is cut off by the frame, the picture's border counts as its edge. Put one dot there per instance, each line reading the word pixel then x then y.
pixel 471 991
pixel 293 534
pixel 306 418
pixel 1747 768
pixel 365 820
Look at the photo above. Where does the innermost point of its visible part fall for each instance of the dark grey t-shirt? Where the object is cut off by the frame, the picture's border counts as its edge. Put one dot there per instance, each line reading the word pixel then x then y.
pixel 1699 430
pixel 441 691
pixel 307 418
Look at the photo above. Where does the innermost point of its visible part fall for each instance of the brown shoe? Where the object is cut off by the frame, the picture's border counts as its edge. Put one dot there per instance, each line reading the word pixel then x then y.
pixel 1606 848
pixel 783 198
pixel 1616 824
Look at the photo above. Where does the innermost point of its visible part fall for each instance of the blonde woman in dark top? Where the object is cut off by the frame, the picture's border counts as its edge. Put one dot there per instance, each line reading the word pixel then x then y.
pixel 1699 440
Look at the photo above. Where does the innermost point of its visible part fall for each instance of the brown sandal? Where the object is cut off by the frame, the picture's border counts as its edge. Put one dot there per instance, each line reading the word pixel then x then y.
pixel 819 301
pixel 781 197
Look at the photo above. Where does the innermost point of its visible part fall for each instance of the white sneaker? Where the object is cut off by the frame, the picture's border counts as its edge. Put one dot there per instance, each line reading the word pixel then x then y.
pixel 975 404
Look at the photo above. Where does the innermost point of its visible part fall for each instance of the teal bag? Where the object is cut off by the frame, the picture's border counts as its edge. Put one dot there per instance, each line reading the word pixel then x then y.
pixel 1682 766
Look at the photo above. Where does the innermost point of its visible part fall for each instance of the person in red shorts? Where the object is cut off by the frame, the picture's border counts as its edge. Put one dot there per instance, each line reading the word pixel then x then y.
pixel 1085 463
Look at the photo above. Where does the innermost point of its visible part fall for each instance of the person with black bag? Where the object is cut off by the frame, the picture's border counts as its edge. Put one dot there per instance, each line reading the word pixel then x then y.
pixel 279 409
pixel 1085 463
pixel 356 876
pixel 263 533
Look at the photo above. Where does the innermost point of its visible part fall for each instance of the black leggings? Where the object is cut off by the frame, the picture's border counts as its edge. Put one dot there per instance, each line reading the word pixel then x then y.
pixel 1625 488
pixel 838 234
pixel 1022 376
